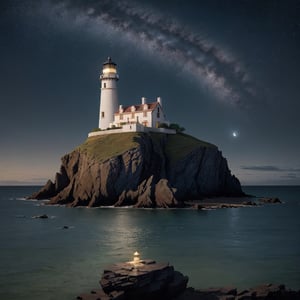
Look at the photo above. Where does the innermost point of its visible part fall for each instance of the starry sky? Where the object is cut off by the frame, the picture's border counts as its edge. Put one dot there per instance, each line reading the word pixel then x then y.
pixel 227 70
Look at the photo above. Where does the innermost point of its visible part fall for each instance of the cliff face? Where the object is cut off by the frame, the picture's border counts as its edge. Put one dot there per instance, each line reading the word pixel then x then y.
pixel 145 170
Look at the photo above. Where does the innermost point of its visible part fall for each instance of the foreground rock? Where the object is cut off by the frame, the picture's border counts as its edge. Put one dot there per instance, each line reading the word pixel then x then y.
pixel 143 170
pixel 151 280
pixel 145 280
pixel 266 291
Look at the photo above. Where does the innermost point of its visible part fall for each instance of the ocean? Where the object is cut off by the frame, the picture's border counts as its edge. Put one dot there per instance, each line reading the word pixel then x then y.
pixel 239 247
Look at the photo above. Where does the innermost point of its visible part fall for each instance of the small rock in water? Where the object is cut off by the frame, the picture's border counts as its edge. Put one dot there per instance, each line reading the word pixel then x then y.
pixel 270 200
pixel 250 203
pixel 198 206
pixel 65 227
pixel 44 216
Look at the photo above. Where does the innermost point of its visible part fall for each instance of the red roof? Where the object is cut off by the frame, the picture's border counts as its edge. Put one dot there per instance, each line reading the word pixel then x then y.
pixel 139 107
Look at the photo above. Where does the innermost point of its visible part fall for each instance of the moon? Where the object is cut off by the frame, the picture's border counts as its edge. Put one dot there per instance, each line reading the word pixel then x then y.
pixel 235 134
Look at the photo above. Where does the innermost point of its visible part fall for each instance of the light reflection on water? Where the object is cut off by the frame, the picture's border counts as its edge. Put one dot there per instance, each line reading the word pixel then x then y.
pixel 241 247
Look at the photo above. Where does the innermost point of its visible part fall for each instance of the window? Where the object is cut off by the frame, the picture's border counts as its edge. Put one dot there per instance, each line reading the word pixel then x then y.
pixel 102 114
pixel 158 115
pixel 132 116
pixel 104 84
pixel 145 114
pixel 121 117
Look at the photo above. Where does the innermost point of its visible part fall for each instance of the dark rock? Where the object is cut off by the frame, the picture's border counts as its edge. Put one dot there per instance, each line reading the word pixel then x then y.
pixel 116 295
pixel 165 195
pixel 90 297
pixel 45 192
pixel 177 285
pixel 228 291
pixel 218 292
pixel 190 294
pixel 270 200
pixel 198 206
pixel 266 291
pixel 61 179
pixel 249 203
pixel 146 175
pixel 44 216
pixel 99 294
pixel 147 280
pixel 245 295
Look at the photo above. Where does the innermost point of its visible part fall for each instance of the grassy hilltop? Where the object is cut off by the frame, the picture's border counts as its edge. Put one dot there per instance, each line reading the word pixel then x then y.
pixel 104 147
pixel 154 170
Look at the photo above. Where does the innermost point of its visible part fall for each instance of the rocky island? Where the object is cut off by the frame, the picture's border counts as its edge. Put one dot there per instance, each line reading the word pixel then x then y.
pixel 141 170
pixel 136 157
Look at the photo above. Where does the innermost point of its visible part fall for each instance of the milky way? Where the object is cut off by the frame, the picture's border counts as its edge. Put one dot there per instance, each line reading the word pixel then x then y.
pixel 167 38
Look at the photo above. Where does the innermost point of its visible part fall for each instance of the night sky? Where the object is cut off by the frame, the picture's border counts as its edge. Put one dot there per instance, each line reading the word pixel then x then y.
pixel 227 70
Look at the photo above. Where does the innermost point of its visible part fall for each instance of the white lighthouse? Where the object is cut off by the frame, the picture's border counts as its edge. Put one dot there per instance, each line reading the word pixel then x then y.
pixel 141 117
pixel 109 97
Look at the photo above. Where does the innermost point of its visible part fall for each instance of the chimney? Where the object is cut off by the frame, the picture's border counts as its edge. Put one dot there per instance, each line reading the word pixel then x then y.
pixel 159 100
pixel 144 100
pixel 120 108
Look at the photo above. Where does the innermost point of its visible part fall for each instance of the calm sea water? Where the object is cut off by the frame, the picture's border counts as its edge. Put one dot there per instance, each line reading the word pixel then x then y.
pixel 240 247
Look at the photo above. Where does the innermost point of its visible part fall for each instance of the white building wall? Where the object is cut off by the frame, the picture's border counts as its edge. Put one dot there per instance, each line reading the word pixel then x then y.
pixel 146 117
pixel 108 102
pixel 157 118
pixel 132 128
pixel 134 117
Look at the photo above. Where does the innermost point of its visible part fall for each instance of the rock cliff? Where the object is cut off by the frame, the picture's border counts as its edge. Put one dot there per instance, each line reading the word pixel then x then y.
pixel 140 169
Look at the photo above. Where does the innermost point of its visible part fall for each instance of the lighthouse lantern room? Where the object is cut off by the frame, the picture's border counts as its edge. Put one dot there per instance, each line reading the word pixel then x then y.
pixel 109 96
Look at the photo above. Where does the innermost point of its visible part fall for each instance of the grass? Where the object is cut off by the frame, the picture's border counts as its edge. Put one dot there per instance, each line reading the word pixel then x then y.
pixel 180 145
pixel 106 146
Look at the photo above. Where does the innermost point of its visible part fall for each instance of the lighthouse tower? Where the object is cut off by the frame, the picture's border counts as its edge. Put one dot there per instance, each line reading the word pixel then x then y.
pixel 109 98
